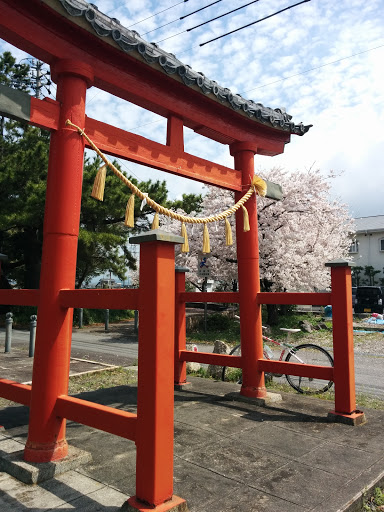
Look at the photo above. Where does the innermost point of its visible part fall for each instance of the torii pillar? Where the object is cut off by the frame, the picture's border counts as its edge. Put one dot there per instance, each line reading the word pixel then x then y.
pixel 46 436
pixel 253 385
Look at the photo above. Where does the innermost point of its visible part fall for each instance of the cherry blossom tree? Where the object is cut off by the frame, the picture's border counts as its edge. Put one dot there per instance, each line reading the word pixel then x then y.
pixel 297 235
pixel 222 259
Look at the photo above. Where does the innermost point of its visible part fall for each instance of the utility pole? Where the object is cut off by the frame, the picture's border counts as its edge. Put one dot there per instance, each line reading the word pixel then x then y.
pixel 39 66
pixel 39 77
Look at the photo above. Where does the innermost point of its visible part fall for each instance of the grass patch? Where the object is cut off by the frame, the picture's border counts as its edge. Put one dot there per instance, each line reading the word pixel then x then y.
pixel 224 328
pixel 292 321
pixel 369 402
pixel 362 400
pixel 233 374
pixel 101 380
pixel 219 327
pixel 202 372
pixel 374 502
pixel 93 381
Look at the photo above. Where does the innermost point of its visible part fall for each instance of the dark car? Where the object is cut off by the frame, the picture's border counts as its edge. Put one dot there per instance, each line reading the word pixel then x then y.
pixel 369 299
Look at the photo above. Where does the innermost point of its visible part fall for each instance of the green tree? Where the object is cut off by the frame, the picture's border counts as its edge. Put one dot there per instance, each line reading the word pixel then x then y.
pixel 356 271
pixel 189 203
pixel 12 74
pixel 370 272
pixel 23 169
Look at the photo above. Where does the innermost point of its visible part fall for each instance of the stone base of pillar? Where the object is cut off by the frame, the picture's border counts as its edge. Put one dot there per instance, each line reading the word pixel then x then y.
pixel 354 419
pixel 176 504
pixel 12 462
pixel 182 386
pixel 268 399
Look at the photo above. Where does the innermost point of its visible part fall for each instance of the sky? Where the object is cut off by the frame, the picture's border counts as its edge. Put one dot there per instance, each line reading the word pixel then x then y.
pixel 321 60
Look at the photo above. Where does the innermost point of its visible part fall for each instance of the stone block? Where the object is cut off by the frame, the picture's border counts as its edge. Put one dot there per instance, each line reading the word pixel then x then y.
pixel 220 347
pixel 12 462
pixel 192 367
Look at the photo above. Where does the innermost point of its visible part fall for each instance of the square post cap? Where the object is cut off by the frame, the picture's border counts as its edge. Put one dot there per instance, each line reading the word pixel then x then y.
pixel 156 235
pixel 181 269
pixel 340 263
pixel 3 257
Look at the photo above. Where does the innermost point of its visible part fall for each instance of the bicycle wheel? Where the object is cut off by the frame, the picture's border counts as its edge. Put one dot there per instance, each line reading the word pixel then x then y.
pixel 232 374
pixel 309 354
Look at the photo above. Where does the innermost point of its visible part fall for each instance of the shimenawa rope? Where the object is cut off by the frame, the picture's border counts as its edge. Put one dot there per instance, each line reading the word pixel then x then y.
pixel 258 186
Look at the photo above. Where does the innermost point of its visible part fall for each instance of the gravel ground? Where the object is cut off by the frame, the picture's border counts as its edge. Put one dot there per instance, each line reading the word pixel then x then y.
pixel 364 342
pixel 369 343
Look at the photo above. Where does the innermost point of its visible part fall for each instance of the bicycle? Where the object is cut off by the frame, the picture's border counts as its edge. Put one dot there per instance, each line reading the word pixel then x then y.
pixel 306 353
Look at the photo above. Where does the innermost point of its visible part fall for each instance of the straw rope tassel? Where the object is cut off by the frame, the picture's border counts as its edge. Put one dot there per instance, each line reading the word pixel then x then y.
pixel 228 233
pixel 206 247
pixel 260 185
pixel 99 184
pixel 155 222
pixel 245 219
pixel 130 212
pixel 184 234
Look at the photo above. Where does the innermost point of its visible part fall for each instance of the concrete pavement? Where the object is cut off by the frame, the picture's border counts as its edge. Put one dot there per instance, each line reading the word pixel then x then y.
pixel 229 455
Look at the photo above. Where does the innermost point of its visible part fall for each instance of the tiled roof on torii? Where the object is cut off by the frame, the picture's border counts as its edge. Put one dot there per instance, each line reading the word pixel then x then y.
pixel 129 41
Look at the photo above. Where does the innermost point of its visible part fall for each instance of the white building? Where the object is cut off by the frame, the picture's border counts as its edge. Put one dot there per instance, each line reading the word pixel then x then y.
pixel 368 246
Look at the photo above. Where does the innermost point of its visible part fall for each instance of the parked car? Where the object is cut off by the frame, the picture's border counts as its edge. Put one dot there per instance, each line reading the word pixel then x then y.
pixel 369 299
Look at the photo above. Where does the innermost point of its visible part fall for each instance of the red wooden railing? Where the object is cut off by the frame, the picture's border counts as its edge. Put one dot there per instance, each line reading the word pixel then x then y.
pixel 341 300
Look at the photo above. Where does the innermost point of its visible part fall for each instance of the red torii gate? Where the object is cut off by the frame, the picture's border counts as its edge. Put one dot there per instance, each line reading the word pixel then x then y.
pixel 84 48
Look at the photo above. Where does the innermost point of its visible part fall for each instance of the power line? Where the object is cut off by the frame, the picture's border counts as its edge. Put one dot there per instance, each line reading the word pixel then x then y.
pixel 181 17
pixel 313 69
pixel 209 21
pixel 88 101
pixel 201 9
pixel 232 31
pixel 161 26
pixel 156 13
pixel 254 22
pixel 222 15
pixel 122 163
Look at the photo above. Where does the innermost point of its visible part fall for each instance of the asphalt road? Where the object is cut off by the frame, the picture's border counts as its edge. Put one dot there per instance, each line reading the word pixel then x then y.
pixel 369 372
pixel 120 347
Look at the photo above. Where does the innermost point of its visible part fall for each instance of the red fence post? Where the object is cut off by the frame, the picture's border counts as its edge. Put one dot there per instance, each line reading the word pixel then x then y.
pixel 249 278
pixel 46 435
pixel 344 368
pixel 180 329
pixel 155 401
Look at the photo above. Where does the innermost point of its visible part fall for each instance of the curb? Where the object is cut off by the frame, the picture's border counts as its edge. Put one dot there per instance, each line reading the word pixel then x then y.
pixel 355 504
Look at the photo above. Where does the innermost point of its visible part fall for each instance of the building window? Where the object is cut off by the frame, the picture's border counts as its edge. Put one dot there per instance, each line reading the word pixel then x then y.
pixel 354 247
pixel 381 244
